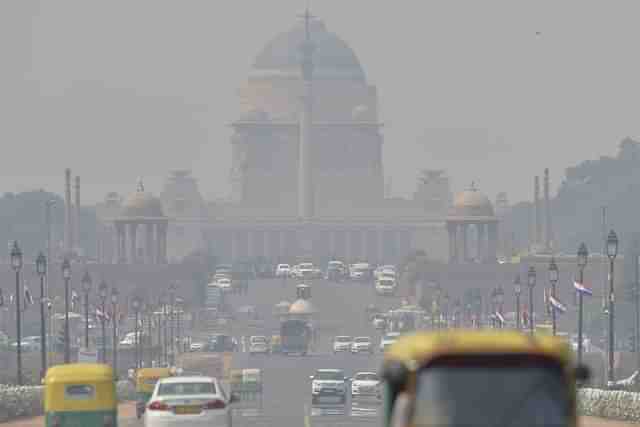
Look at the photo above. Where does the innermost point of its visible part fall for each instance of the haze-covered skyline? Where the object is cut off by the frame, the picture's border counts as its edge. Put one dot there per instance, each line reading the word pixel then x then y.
pixel 120 90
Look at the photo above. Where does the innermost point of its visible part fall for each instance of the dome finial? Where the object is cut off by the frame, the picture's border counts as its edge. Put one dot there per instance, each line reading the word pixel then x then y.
pixel 140 185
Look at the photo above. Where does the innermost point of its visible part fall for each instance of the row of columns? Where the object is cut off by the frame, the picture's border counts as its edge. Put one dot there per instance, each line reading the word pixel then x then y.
pixel 370 244
pixel 486 241
pixel 153 247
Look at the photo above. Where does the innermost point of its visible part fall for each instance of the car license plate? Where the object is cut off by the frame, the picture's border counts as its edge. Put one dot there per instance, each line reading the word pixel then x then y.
pixel 188 410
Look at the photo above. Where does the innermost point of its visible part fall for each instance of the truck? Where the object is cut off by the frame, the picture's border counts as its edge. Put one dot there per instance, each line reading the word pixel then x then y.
pixel 295 336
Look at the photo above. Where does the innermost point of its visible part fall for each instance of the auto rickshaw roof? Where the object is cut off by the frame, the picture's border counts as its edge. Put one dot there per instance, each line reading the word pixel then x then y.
pixel 79 372
pixel 153 372
pixel 421 348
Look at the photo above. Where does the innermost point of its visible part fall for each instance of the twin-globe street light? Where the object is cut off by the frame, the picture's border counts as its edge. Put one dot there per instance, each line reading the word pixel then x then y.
pixel 612 252
pixel 583 256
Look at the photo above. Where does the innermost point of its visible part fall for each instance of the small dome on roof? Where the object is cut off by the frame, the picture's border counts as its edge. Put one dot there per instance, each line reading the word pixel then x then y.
pixel 142 204
pixel 301 306
pixel 472 202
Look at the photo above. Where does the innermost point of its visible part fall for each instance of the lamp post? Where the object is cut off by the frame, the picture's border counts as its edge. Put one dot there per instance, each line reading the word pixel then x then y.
pixel 66 275
pixel 135 303
pixel 149 315
pixel 16 264
pixel 500 303
pixel 180 306
pixel 86 287
pixel 41 269
pixel 103 290
pixel 531 281
pixel 612 252
pixel 494 307
pixel 172 310
pixel 553 279
pixel 518 290
pixel 583 256
pixel 114 308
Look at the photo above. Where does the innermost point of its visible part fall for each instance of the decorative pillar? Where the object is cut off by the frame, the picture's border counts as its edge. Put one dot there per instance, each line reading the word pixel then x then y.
pixel 380 245
pixel 332 243
pixel 493 242
pixel 282 236
pixel 133 255
pixel 161 244
pixel 121 255
pixel 251 235
pixel 482 256
pixel 465 245
pixel 348 250
pixel 149 249
pixel 453 243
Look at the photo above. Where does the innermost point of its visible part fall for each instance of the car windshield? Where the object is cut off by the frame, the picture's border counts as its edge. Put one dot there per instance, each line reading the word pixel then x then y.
pixel 182 389
pixel 329 375
pixel 343 339
pixel 258 340
pixel 306 266
pixel 362 339
pixel 366 377
pixel 282 266
pixel 386 282
pixel 523 395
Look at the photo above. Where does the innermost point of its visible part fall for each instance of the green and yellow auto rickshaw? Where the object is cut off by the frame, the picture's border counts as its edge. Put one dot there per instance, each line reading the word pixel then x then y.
pixel 146 379
pixel 483 378
pixel 80 394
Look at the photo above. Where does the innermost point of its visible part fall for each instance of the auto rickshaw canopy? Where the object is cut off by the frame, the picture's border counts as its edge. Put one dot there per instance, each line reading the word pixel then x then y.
pixel 80 387
pixel 146 378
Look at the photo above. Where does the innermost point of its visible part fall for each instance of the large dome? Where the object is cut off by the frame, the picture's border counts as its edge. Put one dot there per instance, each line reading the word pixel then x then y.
pixel 332 57
pixel 142 204
pixel 472 203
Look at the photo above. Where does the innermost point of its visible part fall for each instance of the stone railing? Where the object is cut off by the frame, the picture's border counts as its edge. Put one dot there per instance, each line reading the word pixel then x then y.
pixel 618 405
pixel 26 401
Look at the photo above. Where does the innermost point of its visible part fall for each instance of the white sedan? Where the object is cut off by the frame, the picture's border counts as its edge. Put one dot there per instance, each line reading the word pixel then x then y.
pixel 366 384
pixel 188 401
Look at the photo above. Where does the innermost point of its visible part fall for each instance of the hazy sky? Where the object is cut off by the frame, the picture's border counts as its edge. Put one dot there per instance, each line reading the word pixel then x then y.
pixel 121 89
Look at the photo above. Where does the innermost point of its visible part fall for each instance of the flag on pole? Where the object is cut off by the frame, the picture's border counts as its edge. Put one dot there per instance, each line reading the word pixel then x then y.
pixel 557 305
pixel 582 289
pixel 12 299
pixel 74 300
pixel 500 317
pixel 28 298
pixel 547 303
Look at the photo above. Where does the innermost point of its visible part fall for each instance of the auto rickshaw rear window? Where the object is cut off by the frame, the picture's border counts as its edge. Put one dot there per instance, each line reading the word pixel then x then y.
pixel 79 392
pixel 512 390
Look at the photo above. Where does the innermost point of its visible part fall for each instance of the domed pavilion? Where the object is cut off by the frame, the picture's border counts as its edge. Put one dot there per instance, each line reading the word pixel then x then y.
pixel 141 211
pixel 472 210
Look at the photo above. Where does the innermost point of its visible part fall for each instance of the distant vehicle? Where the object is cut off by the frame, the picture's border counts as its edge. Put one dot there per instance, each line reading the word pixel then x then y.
pixel 362 345
pixel 306 270
pixel 360 271
pixel 27 344
pixel 336 271
pixel 224 284
pixel 283 270
pixel 385 285
pixel 196 346
pixel 328 386
pixel 388 339
pixel 385 270
pixel 185 401
pixel 366 384
pixel 342 343
pixel 296 337
pixel 379 321
pixel 226 269
pixel 222 344
pixel 258 345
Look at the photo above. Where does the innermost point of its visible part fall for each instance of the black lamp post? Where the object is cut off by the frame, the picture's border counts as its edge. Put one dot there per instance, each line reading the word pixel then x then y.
pixel 86 287
pixel 612 252
pixel 16 264
pixel 180 306
pixel 66 275
pixel 114 308
pixel 583 256
pixel 135 304
pixel 103 290
pixel 518 290
pixel 531 281
pixel 41 269
pixel 494 307
pixel 500 303
pixel 149 315
pixel 553 279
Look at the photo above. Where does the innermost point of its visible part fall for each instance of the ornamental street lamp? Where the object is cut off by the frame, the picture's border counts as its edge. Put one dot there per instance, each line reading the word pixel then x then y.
pixel 103 290
pixel 66 275
pixel 553 279
pixel 172 302
pixel 612 252
pixel 518 290
pixel 136 303
pixel 583 256
pixel 86 287
pixel 41 269
pixel 494 307
pixel 531 281
pixel 500 303
pixel 16 264
pixel 114 318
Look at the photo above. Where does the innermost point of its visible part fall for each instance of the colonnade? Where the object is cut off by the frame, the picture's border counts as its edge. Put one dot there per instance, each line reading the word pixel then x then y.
pixel 486 241
pixel 148 247
pixel 352 244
